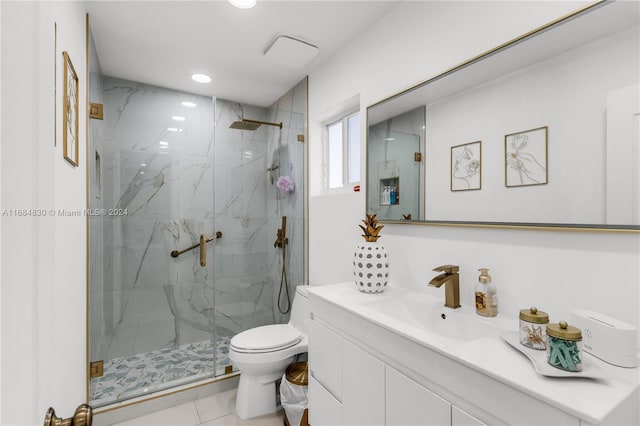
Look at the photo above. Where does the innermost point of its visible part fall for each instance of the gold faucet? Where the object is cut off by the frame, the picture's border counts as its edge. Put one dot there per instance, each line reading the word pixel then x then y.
pixel 281 234
pixel 451 280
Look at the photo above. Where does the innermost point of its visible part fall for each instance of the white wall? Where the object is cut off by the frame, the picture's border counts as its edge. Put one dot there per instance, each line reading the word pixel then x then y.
pixel 43 258
pixel 557 271
pixel 567 93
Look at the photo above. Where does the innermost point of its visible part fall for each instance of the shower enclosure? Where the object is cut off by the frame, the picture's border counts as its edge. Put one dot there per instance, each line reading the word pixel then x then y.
pixel 167 171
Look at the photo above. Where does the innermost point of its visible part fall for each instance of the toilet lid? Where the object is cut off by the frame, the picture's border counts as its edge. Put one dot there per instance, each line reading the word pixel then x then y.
pixel 267 338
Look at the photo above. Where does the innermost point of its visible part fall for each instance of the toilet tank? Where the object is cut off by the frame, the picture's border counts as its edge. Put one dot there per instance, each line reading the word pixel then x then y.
pixel 300 310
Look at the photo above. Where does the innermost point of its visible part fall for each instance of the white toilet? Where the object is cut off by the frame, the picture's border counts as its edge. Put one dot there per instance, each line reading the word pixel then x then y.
pixel 263 353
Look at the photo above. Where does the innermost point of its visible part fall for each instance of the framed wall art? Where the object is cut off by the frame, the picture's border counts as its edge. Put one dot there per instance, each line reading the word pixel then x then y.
pixel 466 166
pixel 70 112
pixel 526 157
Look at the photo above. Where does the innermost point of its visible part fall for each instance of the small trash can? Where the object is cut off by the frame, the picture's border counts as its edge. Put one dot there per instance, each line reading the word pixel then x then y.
pixel 293 394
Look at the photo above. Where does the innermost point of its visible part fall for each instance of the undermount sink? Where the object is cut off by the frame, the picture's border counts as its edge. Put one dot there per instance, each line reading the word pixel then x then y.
pixel 428 313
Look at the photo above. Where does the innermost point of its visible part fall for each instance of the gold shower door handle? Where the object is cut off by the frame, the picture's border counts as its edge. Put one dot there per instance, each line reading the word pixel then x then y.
pixel 176 253
pixel 203 250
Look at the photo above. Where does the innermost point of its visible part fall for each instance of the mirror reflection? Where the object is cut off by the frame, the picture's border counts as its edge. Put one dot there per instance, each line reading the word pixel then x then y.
pixel 394 166
pixel 544 131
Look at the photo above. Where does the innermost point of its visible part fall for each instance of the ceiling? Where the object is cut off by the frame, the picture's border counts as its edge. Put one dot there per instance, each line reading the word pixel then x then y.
pixel 163 42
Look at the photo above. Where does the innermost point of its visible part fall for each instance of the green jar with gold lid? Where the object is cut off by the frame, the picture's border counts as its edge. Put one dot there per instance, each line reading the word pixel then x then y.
pixel 564 346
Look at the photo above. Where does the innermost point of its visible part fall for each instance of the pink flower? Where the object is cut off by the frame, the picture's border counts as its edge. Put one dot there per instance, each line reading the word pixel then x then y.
pixel 285 184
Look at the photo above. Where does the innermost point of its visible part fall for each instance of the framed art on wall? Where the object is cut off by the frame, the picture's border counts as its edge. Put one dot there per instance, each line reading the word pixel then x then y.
pixel 466 166
pixel 525 157
pixel 70 112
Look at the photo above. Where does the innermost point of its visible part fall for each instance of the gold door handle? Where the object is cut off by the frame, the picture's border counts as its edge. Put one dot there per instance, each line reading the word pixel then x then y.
pixel 176 253
pixel 203 250
pixel 82 417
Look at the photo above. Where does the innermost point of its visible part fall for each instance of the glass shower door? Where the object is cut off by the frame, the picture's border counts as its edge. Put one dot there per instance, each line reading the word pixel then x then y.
pixel 152 315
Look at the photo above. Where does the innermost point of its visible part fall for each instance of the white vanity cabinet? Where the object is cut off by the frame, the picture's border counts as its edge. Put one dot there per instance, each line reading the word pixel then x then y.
pixel 363 387
pixel 325 410
pixel 408 403
pixel 349 386
pixel 461 418
pixel 346 385
pixel 326 365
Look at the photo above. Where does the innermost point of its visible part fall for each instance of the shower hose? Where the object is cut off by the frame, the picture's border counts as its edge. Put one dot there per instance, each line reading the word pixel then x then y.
pixel 283 282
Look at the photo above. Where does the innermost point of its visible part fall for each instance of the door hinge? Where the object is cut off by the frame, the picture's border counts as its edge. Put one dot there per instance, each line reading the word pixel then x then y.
pixel 300 138
pixel 95 111
pixel 417 156
pixel 96 369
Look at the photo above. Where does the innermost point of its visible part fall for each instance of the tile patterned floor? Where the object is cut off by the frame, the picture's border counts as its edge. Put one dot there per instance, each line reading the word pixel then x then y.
pixel 214 410
pixel 130 376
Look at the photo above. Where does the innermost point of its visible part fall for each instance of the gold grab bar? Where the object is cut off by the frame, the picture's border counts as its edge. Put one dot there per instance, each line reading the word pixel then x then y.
pixel 82 417
pixel 176 253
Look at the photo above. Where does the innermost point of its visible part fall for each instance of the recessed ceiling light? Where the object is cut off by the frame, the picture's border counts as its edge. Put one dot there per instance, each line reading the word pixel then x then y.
pixel 243 4
pixel 163 143
pixel 201 78
pixel 172 129
pixel 178 118
pixel 143 165
pixel 188 104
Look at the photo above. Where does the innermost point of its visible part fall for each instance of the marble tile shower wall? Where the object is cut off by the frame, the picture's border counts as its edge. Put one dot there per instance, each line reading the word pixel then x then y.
pixel 165 179
pixel 160 169
pixel 243 288
pixel 286 152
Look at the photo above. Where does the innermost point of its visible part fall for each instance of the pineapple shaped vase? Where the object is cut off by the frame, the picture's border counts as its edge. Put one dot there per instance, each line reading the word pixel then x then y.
pixel 370 260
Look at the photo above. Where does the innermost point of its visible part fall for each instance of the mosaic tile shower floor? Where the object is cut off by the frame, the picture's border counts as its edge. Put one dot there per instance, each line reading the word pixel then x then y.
pixel 135 375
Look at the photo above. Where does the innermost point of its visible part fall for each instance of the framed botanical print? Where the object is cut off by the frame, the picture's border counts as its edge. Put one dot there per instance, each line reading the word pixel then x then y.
pixel 466 166
pixel 70 112
pixel 525 159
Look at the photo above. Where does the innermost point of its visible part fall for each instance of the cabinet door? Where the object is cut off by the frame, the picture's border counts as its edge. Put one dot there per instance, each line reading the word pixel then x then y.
pixel 325 358
pixel 324 409
pixel 409 403
pixel 362 387
pixel 462 418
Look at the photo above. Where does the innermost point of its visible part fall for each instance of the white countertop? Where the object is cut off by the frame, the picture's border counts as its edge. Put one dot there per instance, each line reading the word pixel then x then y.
pixel 588 399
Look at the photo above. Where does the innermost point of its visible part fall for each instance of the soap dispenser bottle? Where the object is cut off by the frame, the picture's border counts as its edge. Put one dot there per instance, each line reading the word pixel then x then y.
pixel 392 195
pixel 486 295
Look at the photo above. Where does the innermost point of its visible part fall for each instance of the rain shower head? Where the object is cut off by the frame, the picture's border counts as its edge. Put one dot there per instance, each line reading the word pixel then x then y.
pixel 246 124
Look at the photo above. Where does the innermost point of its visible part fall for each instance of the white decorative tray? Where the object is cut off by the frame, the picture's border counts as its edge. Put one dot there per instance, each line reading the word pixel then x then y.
pixel 542 367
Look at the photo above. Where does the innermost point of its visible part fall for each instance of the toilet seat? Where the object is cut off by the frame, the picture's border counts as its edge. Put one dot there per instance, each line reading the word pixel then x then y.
pixel 268 338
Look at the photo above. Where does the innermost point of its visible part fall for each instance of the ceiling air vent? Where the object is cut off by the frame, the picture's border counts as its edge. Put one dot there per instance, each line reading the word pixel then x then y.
pixel 291 51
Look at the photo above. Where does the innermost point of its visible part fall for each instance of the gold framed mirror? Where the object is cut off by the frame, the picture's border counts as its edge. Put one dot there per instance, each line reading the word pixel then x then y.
pixel 578 79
